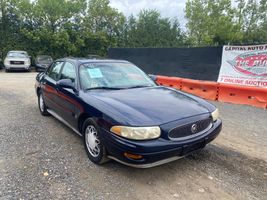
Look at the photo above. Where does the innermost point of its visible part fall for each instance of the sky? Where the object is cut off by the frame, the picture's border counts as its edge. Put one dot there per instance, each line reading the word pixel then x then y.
pixel 167 8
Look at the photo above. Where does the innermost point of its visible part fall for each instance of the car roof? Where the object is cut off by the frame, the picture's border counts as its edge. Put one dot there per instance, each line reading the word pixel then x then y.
pixel 43 55
pixel 93 60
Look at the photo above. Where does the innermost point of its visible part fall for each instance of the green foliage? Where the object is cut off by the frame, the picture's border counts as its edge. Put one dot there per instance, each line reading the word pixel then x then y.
pixel 104 20
pixel 151 30
pixel 218 22
pixel 81 27
pixel 9 25
pixel 58 28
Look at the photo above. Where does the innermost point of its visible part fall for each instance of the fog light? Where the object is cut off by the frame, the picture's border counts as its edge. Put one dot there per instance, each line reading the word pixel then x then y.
pixel 133 156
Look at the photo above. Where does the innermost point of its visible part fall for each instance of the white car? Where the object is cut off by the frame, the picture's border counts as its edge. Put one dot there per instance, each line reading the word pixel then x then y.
pixel 17 60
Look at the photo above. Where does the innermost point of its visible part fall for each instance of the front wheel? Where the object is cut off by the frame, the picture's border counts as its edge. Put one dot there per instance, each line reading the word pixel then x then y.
pixel 93 144
pixel 41 104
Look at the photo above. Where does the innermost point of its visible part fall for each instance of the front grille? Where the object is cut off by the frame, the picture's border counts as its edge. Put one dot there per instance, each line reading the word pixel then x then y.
pixel 190 129
pixel 17 62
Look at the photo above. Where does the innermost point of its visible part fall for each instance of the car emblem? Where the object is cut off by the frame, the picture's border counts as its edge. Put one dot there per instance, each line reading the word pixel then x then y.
pixel 194 128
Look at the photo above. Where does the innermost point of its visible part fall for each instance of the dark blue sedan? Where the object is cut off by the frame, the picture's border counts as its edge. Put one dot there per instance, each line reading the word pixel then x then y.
pixel 122 114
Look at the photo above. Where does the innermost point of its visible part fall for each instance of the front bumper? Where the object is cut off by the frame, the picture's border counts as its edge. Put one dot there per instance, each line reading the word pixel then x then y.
pixel 17 67
pixel 158 151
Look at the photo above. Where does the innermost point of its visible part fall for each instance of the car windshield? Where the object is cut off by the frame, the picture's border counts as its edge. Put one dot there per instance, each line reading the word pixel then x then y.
pixel 17 55
pixel 44 59
pixel 113 76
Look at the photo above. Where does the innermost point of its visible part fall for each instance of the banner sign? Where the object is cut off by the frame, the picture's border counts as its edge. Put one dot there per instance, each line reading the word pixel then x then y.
pixel 244 65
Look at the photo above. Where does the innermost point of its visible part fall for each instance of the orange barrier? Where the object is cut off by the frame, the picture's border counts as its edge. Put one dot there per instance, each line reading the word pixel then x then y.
pixel 169 81
pixel 218 91
pixel 204 89
pixel 243 95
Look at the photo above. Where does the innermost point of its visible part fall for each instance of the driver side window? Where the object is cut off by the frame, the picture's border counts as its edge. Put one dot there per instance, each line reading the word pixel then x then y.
pixel 68 72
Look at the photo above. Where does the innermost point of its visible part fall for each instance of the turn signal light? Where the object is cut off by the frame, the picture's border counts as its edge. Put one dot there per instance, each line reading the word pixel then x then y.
pixel 132 156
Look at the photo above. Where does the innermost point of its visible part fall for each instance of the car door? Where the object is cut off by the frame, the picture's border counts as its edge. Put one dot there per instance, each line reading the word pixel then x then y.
pixel 49 85
pixel 68 98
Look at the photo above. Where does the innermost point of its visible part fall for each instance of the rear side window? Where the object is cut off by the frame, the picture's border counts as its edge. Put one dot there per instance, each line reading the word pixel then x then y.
pixel 54 70
pixel 68 72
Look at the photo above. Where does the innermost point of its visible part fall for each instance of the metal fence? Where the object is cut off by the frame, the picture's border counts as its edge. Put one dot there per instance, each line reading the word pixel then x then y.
pixel 196 63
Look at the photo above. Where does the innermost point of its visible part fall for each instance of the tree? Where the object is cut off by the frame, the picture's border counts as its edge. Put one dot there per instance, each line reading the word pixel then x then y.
pixel 9 26
pixel 55 14
pixel 218 22
pixel 252 17
pixel 102 18
pixel 211 22
pixel 51 26
pixel 151 30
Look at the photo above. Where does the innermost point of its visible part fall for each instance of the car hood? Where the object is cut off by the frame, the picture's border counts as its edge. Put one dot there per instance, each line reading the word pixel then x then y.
pixel 43 63
pixel 16 59
pixel 148 106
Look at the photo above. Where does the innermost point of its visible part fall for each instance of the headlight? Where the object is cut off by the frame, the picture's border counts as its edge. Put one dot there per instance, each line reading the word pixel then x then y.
pixel 28 62
pixel 6 62
pixel 215 114
pixel 137 133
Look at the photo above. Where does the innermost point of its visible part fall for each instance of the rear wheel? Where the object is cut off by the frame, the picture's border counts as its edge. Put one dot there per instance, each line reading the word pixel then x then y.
pixel 41 104
pixel 94 146
pixel 7 70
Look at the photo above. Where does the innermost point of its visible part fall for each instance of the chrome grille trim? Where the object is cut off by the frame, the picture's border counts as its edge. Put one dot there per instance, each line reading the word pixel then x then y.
pixel 190 136
pixel 12 62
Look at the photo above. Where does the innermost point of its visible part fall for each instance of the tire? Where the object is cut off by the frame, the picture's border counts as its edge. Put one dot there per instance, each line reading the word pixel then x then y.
pixel 41 105
pixel 93 144
pixel 7 70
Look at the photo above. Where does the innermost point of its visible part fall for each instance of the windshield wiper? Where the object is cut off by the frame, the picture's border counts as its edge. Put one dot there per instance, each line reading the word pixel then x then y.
pixel 103 88
pixel 137 86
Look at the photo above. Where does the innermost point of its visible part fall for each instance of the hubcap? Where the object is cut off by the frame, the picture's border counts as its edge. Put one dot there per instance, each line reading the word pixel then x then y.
pixel 41 101
pixel 92 141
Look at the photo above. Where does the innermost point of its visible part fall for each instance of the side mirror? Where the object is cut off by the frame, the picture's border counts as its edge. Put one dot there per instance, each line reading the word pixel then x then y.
pixel 66 83
pixel 153 77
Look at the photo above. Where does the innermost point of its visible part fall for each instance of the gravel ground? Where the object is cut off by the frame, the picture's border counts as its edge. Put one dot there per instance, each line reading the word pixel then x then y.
pixel 40 158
